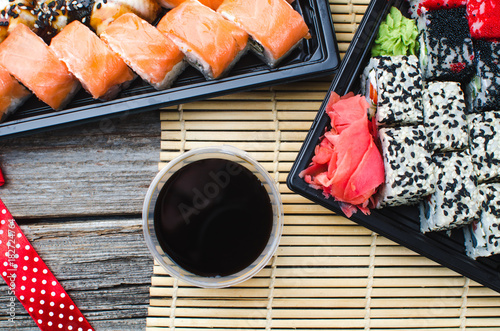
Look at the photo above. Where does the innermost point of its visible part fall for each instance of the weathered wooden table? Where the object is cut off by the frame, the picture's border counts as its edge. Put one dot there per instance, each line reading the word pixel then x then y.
pixel 77 194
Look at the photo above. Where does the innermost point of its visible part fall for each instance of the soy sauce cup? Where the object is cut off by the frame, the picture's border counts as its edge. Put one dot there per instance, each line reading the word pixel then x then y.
pixel 213 217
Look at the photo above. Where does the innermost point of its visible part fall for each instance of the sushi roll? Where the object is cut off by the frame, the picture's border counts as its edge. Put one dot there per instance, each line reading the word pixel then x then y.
pixel 101 71
pixel 484 131
pixel 444 117
pixel 14 13
pixel 106 11
pixel 211 44
pixel 482 237
pixel 446 50
pixel 484 18
pixel 275 27
pixel 169 4
pixel 53 16
pixel 151 54
pixel 393 87
pixel 12 94
pixel 483 91
pixel 409 170
pixel 44 17
pixel 26 56
pixel 455 202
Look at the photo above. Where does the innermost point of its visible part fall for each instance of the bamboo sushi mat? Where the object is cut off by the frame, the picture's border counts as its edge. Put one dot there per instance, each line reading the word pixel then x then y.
pixel 328 273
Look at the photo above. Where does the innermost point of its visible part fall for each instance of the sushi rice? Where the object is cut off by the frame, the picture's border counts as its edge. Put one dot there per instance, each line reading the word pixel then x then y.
pixel 397 84
pixel 445 117
pixel 456 201
pixel 409 169
pixel 484 130
pixel 482 237
pixel 483 92
pixel 446 49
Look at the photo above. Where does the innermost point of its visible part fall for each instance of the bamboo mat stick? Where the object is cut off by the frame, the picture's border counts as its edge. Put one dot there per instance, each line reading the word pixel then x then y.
pixel 217 105
pixel 236 136
pixel 413 272
pixel 304 105
pixel 259 322
pixel 318 219
pixel 292 198
pixel 285 282
pixel 237 126
pixel 348 9
pixel 345 25
pixel 324 230
pixel 260 156
pixel 302 114
pixel 329 303
pixel 340 282
pixel 324 240
pixel 297 115
pixel 290 313
pixel 241 115
pixel 305 209
pixel 344 37
pixel 243 145
pixel 262 292
pixel 324 292
pixel 340 251
pixel 337 303
pixel 301 95
pixel 300 87
pixel 354 2
pixel 354 272
pixel 309 271
pixel 263 95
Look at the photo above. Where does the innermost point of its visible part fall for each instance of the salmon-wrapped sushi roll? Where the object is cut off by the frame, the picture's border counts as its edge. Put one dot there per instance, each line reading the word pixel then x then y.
pixel 100 70
pixel 150 53
pixel 104 12
pixel 211 43
pixel 274 26
pixel 36 66
pixel 12 94
pixel 214 4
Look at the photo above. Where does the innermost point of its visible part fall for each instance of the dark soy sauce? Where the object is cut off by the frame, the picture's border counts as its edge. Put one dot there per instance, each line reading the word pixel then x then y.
pixel 213 217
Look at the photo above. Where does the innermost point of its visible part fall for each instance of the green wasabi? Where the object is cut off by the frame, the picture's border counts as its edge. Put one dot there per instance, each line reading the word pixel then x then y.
pixel 397 35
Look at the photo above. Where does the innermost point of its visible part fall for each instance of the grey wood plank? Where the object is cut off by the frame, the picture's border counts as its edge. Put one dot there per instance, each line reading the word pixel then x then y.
pixel 102 263
pixel 99 168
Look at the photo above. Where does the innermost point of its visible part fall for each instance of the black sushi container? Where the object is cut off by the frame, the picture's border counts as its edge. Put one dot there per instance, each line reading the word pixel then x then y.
pixel 400 224
pixel 317 56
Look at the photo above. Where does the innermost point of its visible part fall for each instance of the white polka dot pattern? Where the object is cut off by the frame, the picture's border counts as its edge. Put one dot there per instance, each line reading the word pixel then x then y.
pixel 32 282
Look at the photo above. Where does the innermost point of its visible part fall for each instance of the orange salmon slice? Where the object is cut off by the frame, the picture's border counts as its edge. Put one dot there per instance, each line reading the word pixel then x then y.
pixel 272 23
pixel 101 71
pixel 26 56
pixel 150 53
pixel 12 94
pixel 214 4
pixel 205 37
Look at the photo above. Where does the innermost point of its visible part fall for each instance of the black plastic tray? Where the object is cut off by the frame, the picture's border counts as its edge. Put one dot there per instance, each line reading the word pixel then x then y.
pixel 315 57
pixel 399 224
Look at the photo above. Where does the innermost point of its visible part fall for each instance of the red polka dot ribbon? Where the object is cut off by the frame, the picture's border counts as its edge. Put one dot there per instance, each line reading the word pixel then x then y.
pixel 2 181
pixel 32 283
